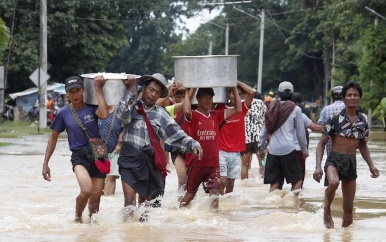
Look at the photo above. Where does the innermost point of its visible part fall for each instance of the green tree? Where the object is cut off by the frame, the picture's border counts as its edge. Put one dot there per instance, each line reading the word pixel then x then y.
pixel 150 31
pixel 82 36
pixel 4 37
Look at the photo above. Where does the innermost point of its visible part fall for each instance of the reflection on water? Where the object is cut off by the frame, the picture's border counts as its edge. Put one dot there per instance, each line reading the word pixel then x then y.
pixel 33 209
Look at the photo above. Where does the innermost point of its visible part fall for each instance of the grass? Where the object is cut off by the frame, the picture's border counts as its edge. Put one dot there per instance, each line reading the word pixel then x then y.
pixel 17 129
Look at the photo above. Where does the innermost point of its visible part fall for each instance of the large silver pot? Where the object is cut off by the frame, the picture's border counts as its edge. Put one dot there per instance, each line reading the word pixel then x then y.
pixel 113 90
pixel 206 71
pixel 220 95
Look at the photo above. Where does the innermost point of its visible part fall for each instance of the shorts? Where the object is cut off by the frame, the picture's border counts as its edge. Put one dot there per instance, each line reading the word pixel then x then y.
pixel 346 165
pixel 197 175
pixel 79 157
pixel 230 164
pixel 251 148
pixel 114 168
pixel 174 155
pixel 283 166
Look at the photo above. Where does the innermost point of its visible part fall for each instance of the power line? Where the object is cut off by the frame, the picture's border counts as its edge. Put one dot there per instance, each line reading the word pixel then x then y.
pixel 298 50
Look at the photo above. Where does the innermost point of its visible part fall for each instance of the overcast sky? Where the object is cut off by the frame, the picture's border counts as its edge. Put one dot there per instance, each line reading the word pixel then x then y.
pixel 200 18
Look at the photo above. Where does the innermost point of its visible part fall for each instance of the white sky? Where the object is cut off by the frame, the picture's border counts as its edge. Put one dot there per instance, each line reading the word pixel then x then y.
pixel 200 18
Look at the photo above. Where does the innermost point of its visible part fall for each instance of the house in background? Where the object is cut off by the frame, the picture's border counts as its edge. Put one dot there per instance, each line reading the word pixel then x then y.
pixel 26 99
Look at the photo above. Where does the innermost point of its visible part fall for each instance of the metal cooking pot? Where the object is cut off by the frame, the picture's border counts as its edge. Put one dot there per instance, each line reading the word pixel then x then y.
pixel 113 90
pixel 206 71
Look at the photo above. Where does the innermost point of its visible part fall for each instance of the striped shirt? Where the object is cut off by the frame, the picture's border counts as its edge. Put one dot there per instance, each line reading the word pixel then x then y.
pixel 135 130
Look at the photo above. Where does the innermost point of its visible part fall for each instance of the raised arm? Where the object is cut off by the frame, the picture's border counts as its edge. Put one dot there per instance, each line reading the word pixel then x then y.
pixel 187 107
pixel 166 100
pixel 250 93
pixel 127 102
pixel 231 112
pixel 102 111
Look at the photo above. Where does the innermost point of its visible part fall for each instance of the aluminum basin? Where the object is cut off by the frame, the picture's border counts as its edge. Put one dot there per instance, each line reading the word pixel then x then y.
pixel 113 90
pixel 206 71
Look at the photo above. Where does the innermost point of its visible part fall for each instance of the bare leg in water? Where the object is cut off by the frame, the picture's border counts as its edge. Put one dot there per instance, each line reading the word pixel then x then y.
pixel 348 192
pixel 329 195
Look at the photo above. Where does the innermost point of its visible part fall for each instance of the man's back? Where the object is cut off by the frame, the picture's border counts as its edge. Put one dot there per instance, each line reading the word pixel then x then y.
pixel 282 140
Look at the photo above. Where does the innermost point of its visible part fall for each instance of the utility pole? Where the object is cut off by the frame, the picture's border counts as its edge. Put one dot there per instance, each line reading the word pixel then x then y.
pixel 210 44
pixel 226 38
pixel 43 64
pixel 260 69
pixel 226 34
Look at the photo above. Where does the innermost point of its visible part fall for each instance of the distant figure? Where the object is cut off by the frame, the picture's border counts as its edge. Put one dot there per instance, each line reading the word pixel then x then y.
pixel 297 98
pixel 328 111
pixel 269 98
pixel 254 122
pixel 348 130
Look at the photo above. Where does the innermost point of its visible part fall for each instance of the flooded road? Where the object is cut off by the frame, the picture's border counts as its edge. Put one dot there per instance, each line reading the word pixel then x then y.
pixel 33 209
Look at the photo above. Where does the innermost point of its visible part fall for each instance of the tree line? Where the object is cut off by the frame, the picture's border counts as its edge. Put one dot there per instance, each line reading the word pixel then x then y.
pixel 313 44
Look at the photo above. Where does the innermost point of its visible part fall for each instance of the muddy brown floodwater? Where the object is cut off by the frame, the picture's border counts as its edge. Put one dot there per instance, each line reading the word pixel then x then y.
pixel 33 209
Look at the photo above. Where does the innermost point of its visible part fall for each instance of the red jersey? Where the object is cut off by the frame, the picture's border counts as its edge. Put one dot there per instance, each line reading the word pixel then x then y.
pixel 232 133
pixel 204 129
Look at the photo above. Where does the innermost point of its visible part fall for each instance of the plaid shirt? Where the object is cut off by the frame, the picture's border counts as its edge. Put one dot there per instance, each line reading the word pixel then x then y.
pixel 135 130
pixel 326 114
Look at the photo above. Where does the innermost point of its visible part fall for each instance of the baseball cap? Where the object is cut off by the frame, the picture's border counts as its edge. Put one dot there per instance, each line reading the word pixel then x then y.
pixel 73 82
pixel 160 79
pixel 286 87
pixel 207 90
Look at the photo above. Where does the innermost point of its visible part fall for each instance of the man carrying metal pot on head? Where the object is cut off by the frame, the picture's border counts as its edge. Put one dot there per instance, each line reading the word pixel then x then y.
pixel 142 163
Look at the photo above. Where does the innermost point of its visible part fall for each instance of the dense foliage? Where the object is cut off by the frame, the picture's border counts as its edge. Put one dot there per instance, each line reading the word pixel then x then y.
pixel 313 44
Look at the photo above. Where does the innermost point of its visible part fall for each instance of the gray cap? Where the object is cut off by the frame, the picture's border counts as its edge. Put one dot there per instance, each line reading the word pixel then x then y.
pixel 160 79
pixel 286 87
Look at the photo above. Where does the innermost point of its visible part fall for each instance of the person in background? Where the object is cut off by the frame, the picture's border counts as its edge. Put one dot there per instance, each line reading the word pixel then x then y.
pixel 176 111
pixel 328 111
pixel 254 122
pixel 49 103
pixel 89 177
pixel 58 102
pixel 203 124
pixel 232 138
pixel 139 173
pixel 302 159
pixel 297 98
pixel 269 98
pixel 110 131
pixel 283 121
pixel 348 131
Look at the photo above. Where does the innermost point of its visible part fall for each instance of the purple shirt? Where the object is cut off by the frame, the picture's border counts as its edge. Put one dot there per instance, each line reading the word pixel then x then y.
pixel 65 120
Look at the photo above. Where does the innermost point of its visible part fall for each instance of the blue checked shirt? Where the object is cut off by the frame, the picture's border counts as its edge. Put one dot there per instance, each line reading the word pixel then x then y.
pixel 135 130
pixel 326 113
